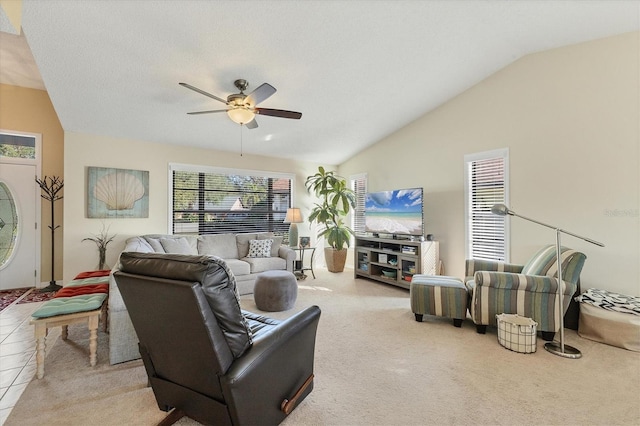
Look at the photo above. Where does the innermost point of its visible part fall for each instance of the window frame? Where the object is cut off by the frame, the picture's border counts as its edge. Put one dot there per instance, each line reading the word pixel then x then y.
pixel 173 167
pixel 469 159
pixel 37 137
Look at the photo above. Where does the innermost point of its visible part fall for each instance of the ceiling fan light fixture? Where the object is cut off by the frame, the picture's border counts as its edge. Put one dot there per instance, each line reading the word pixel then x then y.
pixel 241 115
pixel 242 108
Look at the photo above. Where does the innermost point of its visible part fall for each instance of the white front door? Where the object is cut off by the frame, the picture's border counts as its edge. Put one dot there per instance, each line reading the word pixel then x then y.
pixel 19 194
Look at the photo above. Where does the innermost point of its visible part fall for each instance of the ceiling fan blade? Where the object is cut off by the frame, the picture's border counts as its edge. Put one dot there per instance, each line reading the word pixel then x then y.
pixel 279 113
pixel 261 93
pixel 252 124
pixel 202 92
pixel 207 112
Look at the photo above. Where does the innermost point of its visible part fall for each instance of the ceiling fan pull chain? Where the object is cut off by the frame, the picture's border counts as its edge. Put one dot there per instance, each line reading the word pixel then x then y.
pixel 240 139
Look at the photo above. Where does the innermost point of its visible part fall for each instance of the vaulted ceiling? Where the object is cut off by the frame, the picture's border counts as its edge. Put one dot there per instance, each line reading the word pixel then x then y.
pixel 357 70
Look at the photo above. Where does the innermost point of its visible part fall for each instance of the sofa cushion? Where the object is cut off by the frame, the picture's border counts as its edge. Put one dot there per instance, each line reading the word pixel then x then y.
pixel 177 245
pixel 154 241
pixel 70 305
pixel 260 248
pixel 238 267
pixel 261 264
pixel 155 244
pixel 242 243
pixel 138 244
pixel 221 245
pixel 218 285
pixel 275 246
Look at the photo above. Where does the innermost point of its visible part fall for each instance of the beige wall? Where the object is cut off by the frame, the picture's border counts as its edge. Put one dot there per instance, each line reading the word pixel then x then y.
pixel 571 120
pixel 83 150
pixel 30 110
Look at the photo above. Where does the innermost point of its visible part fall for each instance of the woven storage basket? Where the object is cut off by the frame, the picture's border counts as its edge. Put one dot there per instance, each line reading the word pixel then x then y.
pixel 517 333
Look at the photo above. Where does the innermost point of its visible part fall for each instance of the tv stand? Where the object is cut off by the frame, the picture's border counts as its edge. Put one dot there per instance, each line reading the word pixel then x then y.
pixel 394 261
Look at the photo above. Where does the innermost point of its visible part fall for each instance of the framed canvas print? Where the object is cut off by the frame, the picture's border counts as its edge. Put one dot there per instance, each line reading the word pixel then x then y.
pixel 117 193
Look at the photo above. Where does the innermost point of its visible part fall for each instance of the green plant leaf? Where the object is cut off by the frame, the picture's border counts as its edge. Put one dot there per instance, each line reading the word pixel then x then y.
pixel 336 201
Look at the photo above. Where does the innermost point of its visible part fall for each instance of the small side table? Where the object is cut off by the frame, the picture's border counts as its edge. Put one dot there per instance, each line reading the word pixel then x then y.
pixel 298 265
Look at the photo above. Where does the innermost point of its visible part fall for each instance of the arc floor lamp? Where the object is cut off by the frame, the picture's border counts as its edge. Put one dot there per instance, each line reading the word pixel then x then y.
pixel 560 348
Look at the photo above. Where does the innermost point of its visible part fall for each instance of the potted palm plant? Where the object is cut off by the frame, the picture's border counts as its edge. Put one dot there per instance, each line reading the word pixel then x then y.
pixel 336 200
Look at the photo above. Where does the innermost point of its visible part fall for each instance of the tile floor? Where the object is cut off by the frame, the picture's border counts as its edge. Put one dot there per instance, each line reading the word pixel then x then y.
pixel 17 353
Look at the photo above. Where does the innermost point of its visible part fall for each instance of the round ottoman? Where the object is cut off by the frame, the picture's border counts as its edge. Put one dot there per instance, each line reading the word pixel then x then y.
pixel 275 291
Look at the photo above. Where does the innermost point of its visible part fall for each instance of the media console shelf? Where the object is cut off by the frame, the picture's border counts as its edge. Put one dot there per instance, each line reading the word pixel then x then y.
pixel 394 261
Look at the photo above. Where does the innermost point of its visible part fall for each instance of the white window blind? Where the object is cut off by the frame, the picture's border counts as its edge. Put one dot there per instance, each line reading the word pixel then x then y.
pixel 359 186
pixel 486 179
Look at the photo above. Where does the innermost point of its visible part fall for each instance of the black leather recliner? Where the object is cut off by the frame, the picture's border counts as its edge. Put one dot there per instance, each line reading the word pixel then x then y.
pixel 205 357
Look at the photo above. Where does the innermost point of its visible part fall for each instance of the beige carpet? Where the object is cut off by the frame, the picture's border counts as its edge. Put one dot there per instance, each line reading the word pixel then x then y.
pixel 374 366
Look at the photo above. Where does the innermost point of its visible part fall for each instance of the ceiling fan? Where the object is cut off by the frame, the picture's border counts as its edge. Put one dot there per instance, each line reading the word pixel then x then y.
pixel 242 108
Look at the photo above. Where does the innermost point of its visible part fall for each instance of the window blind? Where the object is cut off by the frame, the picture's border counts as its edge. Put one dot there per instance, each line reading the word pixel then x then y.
pixel 208 202
pixel 359 186
pixel 486 185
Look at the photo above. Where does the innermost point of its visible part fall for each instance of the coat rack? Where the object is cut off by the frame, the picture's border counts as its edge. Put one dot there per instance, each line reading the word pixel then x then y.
pixel 51 186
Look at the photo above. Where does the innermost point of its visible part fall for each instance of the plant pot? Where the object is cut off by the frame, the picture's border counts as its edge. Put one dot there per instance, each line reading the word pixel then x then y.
pixel 335 259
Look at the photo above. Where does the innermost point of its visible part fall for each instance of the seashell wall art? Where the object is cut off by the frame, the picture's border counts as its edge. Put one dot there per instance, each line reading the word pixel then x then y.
pixel 117 193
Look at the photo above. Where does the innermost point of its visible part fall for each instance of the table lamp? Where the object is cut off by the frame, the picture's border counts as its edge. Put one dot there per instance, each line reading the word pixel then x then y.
pixel 293 216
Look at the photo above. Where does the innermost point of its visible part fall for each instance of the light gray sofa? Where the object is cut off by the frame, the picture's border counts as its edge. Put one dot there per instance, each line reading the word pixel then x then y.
pixel 232 248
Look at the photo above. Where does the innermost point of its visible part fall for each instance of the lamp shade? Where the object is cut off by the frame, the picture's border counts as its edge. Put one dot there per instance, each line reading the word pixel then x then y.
pixel 293 216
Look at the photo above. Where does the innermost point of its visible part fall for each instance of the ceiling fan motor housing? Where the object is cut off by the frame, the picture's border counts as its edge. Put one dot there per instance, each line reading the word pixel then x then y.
pixel 236 99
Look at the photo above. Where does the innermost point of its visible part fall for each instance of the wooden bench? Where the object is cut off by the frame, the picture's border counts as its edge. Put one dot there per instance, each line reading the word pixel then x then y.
pixel 84 299
pixel 42 326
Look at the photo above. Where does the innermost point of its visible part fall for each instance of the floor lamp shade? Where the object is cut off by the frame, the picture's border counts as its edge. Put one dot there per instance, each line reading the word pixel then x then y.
pixel 293 217
pixel 560 348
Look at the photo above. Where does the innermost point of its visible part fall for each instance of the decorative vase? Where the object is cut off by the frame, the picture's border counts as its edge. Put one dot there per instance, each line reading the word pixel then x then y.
pixel 102 256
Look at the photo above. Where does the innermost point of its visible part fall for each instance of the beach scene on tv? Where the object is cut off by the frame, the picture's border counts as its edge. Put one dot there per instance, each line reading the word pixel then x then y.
pixel 394 212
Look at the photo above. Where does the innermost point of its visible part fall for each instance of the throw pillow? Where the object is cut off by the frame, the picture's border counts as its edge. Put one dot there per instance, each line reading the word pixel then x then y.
pixel 545 262
pixel 155 244
pixel 242 242
pixel 260 248
pixel 277 242
pixel 139 245
pixel 177 246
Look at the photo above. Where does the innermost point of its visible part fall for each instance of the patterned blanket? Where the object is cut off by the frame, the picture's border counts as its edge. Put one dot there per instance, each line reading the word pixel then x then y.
pixel 610 301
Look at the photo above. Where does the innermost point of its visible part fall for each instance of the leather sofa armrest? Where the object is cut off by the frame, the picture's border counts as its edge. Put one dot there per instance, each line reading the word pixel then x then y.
pixel 274 368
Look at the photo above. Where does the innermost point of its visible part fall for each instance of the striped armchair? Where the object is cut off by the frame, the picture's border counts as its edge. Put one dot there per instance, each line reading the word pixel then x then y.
pixel 528 290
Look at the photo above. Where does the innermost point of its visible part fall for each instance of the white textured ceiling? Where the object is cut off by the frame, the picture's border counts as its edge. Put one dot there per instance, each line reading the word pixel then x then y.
pixel 357 70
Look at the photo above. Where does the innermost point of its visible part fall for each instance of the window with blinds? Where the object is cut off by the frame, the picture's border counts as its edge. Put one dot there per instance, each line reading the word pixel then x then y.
pixel 212 201
pixel 359 186
pixel 486 184
pixel 19 146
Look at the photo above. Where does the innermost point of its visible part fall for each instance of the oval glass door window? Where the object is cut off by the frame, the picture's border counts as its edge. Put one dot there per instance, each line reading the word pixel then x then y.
pixel 8 225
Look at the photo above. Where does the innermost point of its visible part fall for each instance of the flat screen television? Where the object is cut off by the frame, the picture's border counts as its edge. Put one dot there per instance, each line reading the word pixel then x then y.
pixel 398 212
